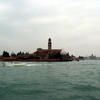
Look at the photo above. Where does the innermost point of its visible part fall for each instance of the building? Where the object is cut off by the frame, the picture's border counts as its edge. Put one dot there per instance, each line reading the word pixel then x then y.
pixel 48 53
pixel 92 57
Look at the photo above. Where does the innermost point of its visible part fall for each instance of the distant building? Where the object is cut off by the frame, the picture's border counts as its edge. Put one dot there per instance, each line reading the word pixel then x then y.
pixel 48 53
pixel 92 57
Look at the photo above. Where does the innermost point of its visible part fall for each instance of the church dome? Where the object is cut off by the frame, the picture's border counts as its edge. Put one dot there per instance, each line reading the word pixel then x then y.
pixel 63 52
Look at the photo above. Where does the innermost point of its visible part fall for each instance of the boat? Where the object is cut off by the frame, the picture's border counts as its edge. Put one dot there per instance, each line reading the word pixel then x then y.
pixel 14 64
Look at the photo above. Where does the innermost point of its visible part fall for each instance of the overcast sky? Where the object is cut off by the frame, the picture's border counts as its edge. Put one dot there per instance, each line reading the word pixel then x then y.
pixel 73 25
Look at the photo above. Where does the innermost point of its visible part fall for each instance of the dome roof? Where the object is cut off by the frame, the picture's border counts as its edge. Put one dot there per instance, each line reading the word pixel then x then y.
pixel 63 52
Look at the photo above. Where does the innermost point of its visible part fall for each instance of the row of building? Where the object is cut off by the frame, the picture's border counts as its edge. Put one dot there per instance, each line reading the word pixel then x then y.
pixel 92 57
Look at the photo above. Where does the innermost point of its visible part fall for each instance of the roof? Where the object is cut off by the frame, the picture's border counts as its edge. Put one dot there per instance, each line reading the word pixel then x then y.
pixel 39 50
pixel 44 52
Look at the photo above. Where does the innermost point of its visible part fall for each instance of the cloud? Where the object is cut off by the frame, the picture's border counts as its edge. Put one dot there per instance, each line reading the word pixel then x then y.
pixel 72 24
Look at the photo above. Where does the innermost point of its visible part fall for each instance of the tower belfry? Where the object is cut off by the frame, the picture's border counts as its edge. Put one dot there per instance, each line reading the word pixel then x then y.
pixel 49 44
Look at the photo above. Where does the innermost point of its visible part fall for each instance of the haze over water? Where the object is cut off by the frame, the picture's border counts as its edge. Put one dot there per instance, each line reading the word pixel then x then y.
pixel 50 81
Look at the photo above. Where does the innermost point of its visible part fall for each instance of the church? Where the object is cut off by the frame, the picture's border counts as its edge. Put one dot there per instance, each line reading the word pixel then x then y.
pixel 48 53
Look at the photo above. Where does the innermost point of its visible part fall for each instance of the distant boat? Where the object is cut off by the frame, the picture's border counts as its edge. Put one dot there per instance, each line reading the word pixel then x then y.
pixel 14 64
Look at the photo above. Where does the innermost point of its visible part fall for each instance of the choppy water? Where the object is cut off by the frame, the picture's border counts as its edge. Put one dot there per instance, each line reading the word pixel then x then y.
pixel 50 81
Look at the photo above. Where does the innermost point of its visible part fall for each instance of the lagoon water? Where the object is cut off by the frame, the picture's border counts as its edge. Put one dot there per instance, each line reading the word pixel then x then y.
pixel 50 80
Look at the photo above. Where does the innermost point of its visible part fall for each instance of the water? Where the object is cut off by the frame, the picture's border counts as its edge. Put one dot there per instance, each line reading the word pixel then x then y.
pixel 50 81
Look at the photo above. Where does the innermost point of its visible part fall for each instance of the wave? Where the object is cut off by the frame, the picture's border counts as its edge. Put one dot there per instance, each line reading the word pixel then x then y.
pixel 38 64
pixel 15 64
pixel 33 64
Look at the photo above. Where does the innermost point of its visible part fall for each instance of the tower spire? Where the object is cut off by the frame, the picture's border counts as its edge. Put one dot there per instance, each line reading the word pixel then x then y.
pixel 49 44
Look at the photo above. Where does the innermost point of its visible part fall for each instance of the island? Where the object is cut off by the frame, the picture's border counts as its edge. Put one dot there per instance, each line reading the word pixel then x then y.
pixel 50 55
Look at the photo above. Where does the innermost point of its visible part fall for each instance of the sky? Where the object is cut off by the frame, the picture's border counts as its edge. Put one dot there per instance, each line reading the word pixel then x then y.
pixel 73 25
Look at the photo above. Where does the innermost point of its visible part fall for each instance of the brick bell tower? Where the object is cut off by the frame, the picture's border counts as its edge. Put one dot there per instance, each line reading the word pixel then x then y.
pixel 49 44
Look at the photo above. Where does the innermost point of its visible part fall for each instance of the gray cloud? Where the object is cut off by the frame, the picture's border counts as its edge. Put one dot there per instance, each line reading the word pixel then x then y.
pixel 72 24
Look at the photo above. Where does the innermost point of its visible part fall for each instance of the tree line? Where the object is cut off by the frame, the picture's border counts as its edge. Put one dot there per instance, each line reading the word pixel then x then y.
pixel 7 54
